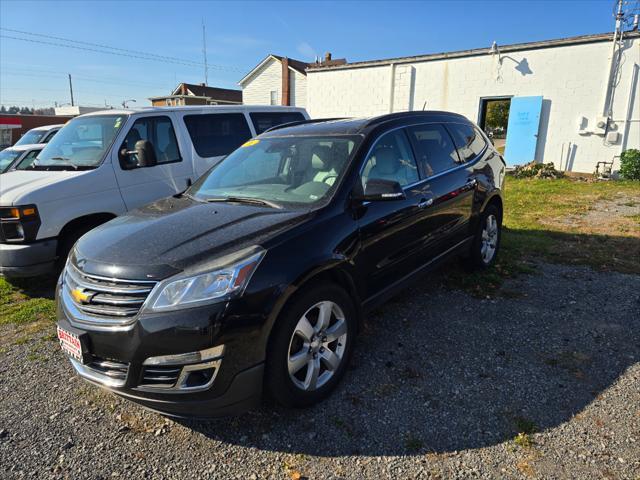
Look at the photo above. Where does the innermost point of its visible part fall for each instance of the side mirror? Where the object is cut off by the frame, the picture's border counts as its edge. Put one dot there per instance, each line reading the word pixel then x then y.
pixel 144 155
pixel 378 189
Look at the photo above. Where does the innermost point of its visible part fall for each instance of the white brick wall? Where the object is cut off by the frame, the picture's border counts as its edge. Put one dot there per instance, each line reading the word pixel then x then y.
pixel 571 80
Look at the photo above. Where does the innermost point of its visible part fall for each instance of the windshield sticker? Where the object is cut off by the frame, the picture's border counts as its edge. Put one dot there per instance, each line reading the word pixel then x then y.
pixel 118 122
pixel 250 143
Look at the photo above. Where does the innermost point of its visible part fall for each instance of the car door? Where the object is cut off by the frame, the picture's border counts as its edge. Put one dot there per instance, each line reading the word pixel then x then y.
pixel 448 188
pixel 171 174
pixel 389 230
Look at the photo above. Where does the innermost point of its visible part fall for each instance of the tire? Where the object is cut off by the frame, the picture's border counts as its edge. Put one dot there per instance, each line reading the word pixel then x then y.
pixel 486 242
pixel 67 242
pixel 294 343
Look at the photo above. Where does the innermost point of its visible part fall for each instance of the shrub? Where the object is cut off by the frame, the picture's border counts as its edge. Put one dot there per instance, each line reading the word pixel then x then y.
pixel 537 170
pixel 630 164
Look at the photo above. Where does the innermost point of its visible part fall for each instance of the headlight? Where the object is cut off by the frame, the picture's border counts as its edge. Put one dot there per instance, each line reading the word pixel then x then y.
pixel 223 279
pixel 19 224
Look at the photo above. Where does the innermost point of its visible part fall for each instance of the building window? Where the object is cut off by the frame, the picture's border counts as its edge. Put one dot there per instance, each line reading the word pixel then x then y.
pixel 274 97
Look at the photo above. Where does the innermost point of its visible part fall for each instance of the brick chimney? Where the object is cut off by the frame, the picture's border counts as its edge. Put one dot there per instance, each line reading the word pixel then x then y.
pixel 286 100
pixel 327 57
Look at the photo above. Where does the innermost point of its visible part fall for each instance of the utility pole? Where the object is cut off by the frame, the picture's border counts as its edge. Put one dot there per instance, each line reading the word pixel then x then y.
pixel 204 53
pixel 71 90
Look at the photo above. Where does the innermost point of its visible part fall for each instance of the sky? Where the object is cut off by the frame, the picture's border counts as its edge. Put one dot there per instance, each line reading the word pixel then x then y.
pixel 34 65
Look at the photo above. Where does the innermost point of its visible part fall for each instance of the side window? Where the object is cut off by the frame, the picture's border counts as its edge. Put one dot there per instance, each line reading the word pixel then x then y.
pixel 27 160
pixel 434 148
pixel 159 131
pixel 265 120
pixel 48 137
pixel 391 159
pixel 469 141
pixel 217 134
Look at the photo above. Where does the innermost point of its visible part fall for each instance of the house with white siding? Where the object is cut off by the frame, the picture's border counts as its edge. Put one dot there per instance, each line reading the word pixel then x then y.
pixel 572 101
pixel 278 80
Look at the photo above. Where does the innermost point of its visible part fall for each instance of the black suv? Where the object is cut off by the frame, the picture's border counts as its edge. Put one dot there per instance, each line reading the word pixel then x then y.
pixel 259 275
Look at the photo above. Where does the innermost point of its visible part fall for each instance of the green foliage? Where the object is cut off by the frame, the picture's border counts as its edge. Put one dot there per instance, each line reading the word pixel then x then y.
pixel 497 114
pixel 630 164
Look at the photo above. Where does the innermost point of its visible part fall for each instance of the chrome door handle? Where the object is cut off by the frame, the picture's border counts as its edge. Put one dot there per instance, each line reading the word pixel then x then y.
pixel 424 203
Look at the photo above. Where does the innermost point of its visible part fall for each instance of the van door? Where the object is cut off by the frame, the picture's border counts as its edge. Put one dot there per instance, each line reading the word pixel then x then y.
pixel 172 173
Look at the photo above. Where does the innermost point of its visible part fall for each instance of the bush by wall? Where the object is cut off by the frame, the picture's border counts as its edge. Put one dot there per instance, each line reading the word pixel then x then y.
pixel 630 164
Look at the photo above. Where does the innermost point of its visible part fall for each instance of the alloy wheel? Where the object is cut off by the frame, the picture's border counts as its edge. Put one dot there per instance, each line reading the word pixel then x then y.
pixel 317 346
pixel 489 239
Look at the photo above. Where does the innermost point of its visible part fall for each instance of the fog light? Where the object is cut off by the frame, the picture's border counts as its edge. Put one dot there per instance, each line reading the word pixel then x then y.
pixel 198 378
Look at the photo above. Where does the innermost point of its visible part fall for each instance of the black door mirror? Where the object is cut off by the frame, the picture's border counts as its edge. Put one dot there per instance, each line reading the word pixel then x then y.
pixel 144 155
pixel 378 189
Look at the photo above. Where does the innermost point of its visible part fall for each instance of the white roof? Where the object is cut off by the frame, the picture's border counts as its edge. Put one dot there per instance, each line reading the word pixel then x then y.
pixel 198 108
pixel 46 128
pixel 28 146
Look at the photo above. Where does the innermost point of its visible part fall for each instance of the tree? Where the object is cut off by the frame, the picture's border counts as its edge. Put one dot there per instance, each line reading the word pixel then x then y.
pixel 497 114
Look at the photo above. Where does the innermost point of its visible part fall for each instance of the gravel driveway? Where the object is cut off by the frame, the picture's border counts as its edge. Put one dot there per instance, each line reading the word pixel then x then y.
pixel 542 381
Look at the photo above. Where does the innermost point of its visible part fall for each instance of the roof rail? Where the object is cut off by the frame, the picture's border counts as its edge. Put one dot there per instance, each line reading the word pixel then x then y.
pixel 412 113
pixel 301 122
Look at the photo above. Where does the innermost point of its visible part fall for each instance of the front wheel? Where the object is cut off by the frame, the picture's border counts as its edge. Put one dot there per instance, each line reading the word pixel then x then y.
pixel 311 346
pixel 486 243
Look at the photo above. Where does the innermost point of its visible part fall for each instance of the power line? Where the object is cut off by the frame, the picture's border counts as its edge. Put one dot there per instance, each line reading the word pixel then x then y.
pixel 83 45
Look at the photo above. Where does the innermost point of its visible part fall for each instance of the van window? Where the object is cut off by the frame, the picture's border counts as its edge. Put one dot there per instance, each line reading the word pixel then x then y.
pixel 265 120
pixel 159 131
pixel 434 148
pixel 391 159
pixel 468 139
pixel 217 134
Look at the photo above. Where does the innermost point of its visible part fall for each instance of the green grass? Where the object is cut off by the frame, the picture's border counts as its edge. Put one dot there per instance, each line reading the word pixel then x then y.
pixel 26 303
pixel 534 210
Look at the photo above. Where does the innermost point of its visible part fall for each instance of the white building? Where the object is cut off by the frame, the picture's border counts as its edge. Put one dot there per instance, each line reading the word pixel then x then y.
pixel 589 110
pixel 276 81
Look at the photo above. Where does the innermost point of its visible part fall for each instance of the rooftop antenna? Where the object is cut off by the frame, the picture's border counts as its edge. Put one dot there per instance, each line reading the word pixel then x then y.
pixel 424 106
pixel 204 53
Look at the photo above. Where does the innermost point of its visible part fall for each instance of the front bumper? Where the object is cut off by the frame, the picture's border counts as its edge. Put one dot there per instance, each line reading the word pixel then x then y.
pixel 117 358
pixel 28 260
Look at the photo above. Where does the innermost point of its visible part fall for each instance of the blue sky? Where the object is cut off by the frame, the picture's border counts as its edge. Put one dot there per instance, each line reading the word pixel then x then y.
pixel 240 34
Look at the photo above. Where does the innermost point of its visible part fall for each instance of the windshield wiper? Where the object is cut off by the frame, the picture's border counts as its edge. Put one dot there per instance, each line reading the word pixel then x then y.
pixel 247 200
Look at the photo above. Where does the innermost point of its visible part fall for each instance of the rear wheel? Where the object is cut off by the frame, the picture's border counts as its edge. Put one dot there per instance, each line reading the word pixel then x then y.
pixel 310 347
pixel 487 240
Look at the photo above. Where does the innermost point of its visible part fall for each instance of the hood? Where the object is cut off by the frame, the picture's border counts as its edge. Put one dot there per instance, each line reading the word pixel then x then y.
pixel 172 234
pixel 18 186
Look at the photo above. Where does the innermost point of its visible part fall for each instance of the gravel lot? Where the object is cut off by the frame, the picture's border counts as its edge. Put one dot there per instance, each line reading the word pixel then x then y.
pixel 442 384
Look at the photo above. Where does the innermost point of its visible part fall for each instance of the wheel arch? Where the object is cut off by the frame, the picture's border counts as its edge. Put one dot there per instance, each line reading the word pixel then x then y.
pixel 93 219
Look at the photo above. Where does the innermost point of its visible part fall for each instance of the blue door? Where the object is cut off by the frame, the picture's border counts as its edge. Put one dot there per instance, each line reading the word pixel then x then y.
pixel 522 130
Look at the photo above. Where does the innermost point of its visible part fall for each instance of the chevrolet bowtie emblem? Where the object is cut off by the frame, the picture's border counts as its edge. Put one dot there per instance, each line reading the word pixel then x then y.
pixel 80 296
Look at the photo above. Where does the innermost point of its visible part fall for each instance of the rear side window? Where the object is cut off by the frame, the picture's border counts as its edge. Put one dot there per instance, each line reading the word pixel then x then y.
pixel 434 148
pixel 217 134
pixel 468 139
pixel 265 120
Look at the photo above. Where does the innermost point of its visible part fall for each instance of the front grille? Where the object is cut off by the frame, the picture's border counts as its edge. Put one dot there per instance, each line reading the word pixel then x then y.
pixel 110 368
pixel 160 376
pixel 102 297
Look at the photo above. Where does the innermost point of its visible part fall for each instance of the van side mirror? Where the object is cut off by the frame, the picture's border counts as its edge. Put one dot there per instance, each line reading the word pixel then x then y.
pixel 143 155
pixel 378 190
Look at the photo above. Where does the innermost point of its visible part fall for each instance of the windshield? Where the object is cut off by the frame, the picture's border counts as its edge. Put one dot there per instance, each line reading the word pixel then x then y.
pixel 7 157
pixel 32 136
pixel 81 144
pixel 288 169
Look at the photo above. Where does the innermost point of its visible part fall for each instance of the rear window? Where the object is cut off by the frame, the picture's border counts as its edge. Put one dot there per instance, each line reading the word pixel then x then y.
pixel 468 139
pixel 217 134
pixel 265 120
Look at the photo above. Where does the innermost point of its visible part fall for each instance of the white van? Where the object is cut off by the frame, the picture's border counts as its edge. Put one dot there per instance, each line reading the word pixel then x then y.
pixel 102 164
